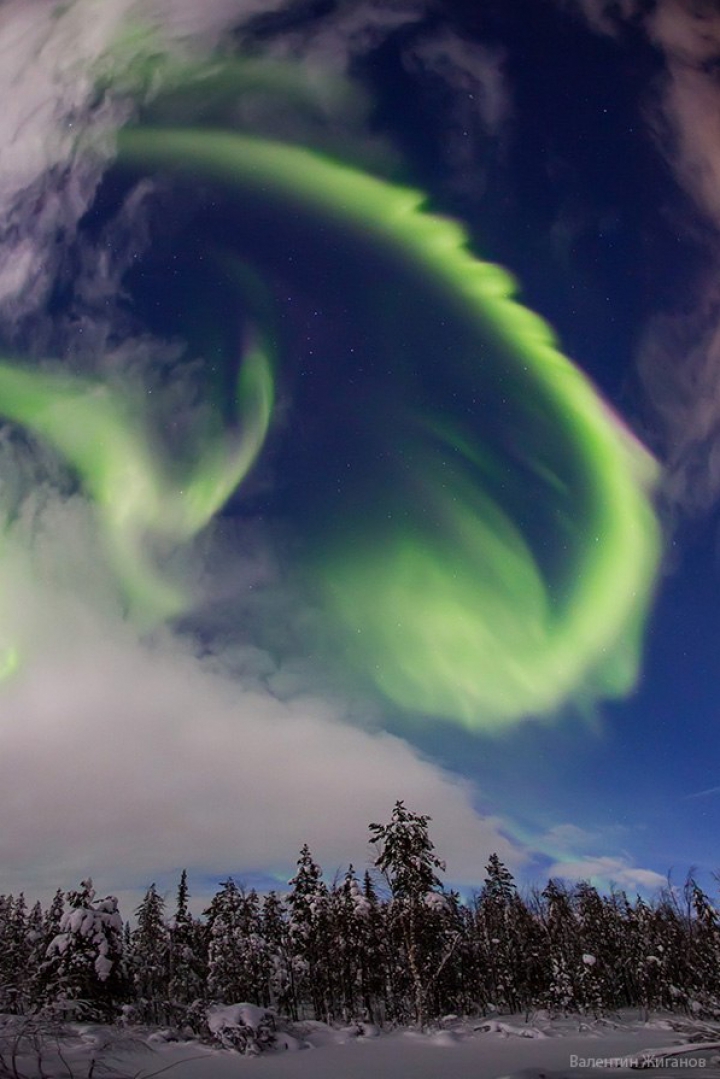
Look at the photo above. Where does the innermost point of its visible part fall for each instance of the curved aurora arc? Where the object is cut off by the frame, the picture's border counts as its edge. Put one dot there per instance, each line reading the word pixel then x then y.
pixel 501 560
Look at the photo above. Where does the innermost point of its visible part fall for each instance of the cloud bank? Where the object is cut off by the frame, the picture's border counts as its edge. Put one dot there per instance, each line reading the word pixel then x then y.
pixel 127 758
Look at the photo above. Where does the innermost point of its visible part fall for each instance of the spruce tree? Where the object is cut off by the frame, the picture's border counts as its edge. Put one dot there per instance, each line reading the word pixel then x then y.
pixel 496 912
pixel 149 958
pixel 565 956
pixel 308 919
pixel 276 934
pixel 85 972
pixel 186 953
pixel 407 860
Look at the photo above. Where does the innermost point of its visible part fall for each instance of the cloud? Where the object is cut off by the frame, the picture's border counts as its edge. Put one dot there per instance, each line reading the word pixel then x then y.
pixel 565 845
pixel 606 16
pixel 128 758
pixel 705 793
pixel 52 57
pixel 690 40
pixel 679 356
pixel 332 41
pixel 679 368
pixel 565 837
pixel 679 360
pixel 604 871
pixel 469 77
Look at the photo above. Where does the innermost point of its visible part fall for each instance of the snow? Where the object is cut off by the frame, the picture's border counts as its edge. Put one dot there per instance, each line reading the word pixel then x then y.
pixel 232 1015
pixel 506 1048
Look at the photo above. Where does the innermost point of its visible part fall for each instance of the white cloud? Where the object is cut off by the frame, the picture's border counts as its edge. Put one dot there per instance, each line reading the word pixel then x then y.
pixel 605 16
pixel 51 55
pixel 691 101
pixel 480 100
pixel 679 359
pixel 333 41
pixel 604 870
pixel 566 837
pixel 128 759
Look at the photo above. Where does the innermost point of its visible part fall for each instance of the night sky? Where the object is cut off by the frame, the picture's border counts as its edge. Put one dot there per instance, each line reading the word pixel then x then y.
pixel 578 144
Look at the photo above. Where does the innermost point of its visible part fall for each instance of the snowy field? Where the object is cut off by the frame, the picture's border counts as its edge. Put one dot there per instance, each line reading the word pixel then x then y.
pixel 470 1049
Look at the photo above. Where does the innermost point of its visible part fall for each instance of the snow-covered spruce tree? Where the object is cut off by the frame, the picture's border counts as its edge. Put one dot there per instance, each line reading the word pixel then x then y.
pixel 42 967
pixel 187 958
pixel 564 947
pixel 85 973
pixel 15 948
pixel 466 966
pixel 671 931
pixel 238 961
pixel 227 978
pixel 704 950
pixel 444 930
pixel 148 959
pixel 601 947
pixel 373 962
pixel 495 912
pixel 309 921
pixel 407 860
pixel 531 965
pixel 256 954
pixel 647 952
pixel 276 934
pixel 349 912
pixel 35 944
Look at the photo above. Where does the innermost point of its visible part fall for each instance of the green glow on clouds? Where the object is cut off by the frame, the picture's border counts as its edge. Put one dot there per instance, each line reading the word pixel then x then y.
pixel 98 432
pixel 500 569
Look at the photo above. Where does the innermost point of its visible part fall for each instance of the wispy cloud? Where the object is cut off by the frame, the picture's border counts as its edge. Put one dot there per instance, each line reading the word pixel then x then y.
pixel 606 16
pixel 51 56
pixel 704 794
pixel 679 357
pixel 331 41
pixel 470 79
pixel 604 871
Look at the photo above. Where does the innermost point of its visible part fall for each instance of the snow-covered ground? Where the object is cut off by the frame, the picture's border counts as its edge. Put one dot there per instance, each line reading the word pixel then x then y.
pixel 462 1049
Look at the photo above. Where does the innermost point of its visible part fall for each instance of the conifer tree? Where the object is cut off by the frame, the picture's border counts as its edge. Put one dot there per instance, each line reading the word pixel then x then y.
pixel 407 860
pixel 374 959
pixel 565 955
pixel 496 922
pixel 275 931
pixel 149 957
pixel 308 919
pixel 186 958
pixel 350 917
pixel 227 975
pixel 14 952
pixel 704 949
pixel 86 973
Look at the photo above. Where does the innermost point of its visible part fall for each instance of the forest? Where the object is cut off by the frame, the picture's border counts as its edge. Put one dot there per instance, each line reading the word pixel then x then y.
pixel 391 946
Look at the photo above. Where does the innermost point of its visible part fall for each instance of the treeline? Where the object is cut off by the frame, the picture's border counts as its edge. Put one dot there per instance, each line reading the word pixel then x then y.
pixel 392 946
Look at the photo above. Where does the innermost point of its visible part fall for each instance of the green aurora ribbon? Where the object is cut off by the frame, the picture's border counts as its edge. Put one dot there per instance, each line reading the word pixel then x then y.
pixel 500 559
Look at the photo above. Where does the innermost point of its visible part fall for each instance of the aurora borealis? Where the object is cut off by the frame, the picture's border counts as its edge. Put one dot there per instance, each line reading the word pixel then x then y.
pixel 304 507
pixel 447 598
